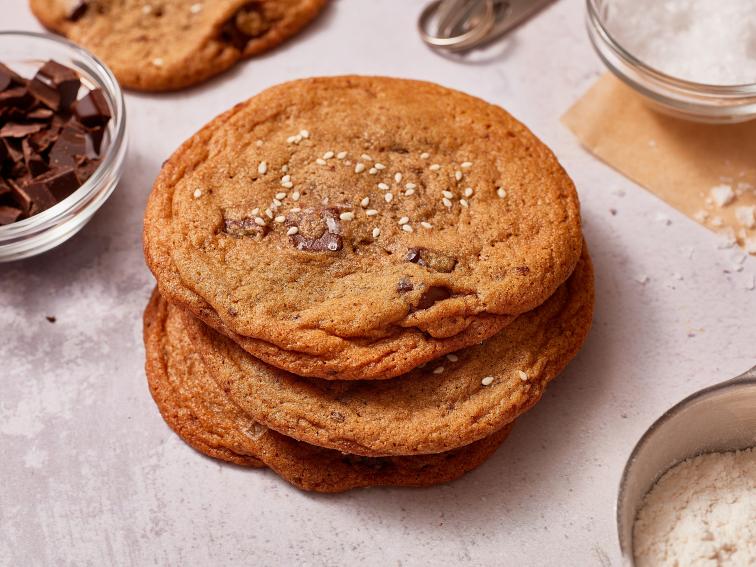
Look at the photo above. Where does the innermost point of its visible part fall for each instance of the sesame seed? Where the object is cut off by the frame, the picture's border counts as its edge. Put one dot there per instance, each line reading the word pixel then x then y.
pixel 376 232
pixel 398 177
pixel 425 224
pixel 287 185
pixel 380 166
pixel 464 203
pixel 359 168
pixel 346 216
pixel 458 175
pixel 280 195
pixel 292 231
pixel 448 194
pixel 501 192
pixel 286 178
pixel 259 143
pixel 469 192
pixel 197 193
pixel 383 187
pixel 466 165
pixel 523 375
pixel 366 157
pixel 407 228
pixel 409 192
pixel 260 221
pixel 438 370
pixel 158 62
pixel 434 167
pixel 365 202
pixel 372 171
pixel 410 186
pixel 320 161
pixel 295 196
pixel 487 381
pixel 424 155
pixel 403 220
pixel 291 139
pixel 341 155
pixel 389 197
pixel 447 203
pixel 452 357
pixel 195 8
pixel 255 211
pixel 328 155
pixel 296 210
pixel 280 218
pixel 269 213
pixel 276 203
pixel 371 212
pixel 304 133
pixel 262 169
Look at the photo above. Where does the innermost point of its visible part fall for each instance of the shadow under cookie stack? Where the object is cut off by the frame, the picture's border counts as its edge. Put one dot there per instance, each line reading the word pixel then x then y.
pixel 362 281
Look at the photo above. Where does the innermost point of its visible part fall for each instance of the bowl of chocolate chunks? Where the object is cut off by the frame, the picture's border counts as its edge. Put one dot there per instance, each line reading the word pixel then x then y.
pixel 62 141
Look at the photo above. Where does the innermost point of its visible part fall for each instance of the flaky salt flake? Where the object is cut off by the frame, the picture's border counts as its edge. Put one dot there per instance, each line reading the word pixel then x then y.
pixel 746 216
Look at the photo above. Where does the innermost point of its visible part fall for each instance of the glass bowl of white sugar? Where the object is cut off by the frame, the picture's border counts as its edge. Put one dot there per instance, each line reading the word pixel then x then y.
pixel 695 59
pixel 688 491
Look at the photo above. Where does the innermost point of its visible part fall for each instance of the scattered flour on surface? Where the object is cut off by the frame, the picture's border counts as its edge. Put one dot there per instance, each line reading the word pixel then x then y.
pixel 701 512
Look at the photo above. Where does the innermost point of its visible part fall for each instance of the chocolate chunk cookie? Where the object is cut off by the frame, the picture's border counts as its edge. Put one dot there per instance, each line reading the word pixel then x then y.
pixel 199 411
pixel 449 403
pixel 160 45
pixel 327 215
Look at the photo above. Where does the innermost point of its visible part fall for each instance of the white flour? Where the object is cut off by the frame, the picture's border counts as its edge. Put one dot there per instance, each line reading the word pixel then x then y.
pixel 702 512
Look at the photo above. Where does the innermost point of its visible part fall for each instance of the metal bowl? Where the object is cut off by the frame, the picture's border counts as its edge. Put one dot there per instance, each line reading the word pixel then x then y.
pixel 719 418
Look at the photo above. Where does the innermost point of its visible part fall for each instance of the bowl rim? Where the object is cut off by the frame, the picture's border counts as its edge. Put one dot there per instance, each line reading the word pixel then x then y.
pixel 48 219
pixel 747 378
pixel 596 21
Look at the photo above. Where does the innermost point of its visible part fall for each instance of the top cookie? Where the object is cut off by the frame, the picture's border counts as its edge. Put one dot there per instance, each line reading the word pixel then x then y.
pixel 353 208
pixel 160 45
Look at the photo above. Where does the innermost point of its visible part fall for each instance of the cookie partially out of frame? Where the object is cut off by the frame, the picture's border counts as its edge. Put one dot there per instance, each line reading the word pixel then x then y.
pixel 356 227
pixel 449 403
pixel 198 410
pixel 161 45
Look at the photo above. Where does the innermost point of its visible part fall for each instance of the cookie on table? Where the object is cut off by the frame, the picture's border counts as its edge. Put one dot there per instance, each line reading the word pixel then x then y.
pixel 365 225
pixel 198 410
pixel 448 403
pixel 161 45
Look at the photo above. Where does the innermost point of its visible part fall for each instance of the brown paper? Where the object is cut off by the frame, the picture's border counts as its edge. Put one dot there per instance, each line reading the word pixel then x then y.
pixel 677 160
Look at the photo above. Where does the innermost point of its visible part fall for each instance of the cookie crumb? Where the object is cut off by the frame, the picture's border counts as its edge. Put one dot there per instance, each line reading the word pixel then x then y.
pixel 722 195
pixel 746 216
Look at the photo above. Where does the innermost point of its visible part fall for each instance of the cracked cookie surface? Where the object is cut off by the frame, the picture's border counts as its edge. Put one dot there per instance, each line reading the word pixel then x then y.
pixel 160 45
pixel 200 412
pixel 356 227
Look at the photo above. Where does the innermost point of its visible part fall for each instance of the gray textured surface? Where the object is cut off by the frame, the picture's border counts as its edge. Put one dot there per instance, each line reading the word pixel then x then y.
pixel 90 475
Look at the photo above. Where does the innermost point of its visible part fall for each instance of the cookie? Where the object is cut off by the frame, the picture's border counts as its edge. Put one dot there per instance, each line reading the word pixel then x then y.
pixel 198 410
pixel 329 214
pixel 162 45
pixel 447 404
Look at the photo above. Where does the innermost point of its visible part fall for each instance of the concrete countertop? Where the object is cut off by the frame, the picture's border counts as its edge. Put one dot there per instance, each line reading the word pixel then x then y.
pixel 90 474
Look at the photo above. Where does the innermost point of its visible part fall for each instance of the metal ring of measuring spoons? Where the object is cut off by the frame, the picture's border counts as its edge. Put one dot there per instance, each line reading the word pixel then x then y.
pixel 466 40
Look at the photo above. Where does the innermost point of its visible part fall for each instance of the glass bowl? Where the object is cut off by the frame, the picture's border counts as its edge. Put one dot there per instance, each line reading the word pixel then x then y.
pixel 715 419
pixel 685 99
pixel 25 52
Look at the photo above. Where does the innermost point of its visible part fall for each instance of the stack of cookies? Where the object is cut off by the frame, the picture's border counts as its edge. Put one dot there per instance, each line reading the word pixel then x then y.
pixel 361 281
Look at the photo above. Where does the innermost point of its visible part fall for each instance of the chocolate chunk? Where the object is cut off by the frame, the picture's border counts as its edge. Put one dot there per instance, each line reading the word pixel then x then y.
pixel 86 168
pixel 404 286
pixel 34 197
pixel 43 139
pixel 522 270
pixel 318 230
pixel 432 259
pixel 12 152
pixel 95 138
pixel 19 130
pixel 55 86
pixel 244 227
pixel 432 295
pixel 59 182
pixel 17 97
pixel 77 10
pixel 9 215
pixel 70 143
pixel 8 78
pixel 35 165
pixel 92 110
pixel 40 114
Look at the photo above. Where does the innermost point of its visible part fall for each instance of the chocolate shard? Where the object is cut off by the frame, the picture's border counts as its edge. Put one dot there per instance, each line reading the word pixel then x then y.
pixel 404 286
pixel 246 226
pixel 14 130
pixel 40 196
pixel 9 215
pixel 70 143
pixel 40 114
pixel 95 137
pixel 431 296
pixel 60 182
pixel 35 165
pixel 16 97
pixel 14 153
pixel 9 78
pixel 92 110
pixel 55 85
pixel 318 230
pixel 431 259
pixel 86 168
